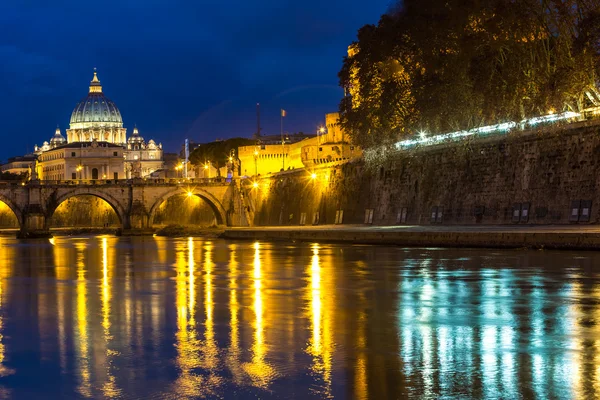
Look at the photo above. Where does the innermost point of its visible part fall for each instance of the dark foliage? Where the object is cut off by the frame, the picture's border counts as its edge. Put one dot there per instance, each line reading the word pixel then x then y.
pixel 443 65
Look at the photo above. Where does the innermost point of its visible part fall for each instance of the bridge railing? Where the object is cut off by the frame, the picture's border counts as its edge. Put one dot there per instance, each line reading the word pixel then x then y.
pixel 138 181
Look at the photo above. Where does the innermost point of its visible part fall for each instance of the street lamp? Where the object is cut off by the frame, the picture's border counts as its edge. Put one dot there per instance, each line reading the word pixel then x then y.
pixel 78 169
pixel 320 131
pixel 206 170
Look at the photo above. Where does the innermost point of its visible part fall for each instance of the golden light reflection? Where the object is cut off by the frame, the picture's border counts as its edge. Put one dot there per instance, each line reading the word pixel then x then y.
pixel 321 344
pixel 61 266
pixel 109 389
pixel 191 290
pixel 360 370
pixel 4 273
pixel 192 352
pixel 259 370
pixel 82 335
pixel 210 349
pixel 234 339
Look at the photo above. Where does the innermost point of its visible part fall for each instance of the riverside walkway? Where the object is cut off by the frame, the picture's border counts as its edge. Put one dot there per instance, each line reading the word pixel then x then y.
pixel 566 237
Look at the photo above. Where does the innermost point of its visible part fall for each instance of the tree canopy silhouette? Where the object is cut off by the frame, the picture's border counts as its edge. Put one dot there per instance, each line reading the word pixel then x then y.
pixel 442 65
pixel 217 153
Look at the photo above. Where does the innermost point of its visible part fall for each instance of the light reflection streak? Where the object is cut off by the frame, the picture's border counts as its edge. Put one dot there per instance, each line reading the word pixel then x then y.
pixel 320 344
pixel 361 369
pixel 210 348
pixel 4 273
pixel 187 345
pixel 110 388
pixel 61 266
pixel 192 352
pixel 571 367
pixel 259 370
pixel 82 334
pixel 234 336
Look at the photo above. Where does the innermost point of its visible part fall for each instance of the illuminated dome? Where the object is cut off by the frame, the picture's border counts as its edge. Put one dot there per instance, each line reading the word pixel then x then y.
pixel 135 138
pixel 57 139
pixel 96 110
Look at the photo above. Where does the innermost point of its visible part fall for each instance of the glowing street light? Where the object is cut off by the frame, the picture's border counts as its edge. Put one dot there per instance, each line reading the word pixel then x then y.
pixel 320 131
pixel 189 194
pixel 255 185
pixel 313 176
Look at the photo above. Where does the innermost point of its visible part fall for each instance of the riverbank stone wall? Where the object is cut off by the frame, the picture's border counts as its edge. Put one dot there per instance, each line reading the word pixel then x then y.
pixel 547 176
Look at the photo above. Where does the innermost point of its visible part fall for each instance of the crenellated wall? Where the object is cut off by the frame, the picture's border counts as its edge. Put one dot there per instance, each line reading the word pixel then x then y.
pixel 549 176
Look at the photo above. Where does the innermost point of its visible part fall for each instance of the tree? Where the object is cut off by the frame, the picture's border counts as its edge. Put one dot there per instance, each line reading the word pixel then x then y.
pixel 445 65
pixel 217 153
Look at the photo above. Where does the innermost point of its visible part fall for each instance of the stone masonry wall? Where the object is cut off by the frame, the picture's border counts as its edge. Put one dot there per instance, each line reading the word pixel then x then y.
pixel 534 177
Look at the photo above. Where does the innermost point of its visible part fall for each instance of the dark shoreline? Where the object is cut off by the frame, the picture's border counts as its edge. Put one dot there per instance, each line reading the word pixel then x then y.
pixel 509 237
pixel 169 231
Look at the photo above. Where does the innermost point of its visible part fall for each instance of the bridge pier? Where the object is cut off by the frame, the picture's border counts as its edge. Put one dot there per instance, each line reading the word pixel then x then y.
pixel 34 224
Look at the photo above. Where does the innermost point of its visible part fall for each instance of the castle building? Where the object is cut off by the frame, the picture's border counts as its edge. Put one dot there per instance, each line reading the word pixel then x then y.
pixel 331 145
pixel 96 146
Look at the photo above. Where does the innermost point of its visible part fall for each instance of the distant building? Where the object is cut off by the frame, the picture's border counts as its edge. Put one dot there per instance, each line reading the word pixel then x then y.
pixel 19 165
pixel 298 151
pixel 170 167
pixel 96 146
pixel 141 158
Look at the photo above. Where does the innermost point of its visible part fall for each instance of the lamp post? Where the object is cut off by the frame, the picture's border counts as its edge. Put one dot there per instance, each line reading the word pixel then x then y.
pixel 78 169
pixel 320 133
pixel 206 169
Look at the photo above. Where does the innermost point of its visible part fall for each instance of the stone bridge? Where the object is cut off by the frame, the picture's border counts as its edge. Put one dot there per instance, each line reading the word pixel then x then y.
pixel 134 201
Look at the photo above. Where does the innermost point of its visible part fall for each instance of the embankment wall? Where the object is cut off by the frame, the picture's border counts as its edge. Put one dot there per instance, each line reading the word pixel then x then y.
pixel 548 176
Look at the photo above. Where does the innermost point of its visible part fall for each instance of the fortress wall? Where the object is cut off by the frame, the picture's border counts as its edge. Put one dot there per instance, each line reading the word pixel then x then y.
pixel 534 177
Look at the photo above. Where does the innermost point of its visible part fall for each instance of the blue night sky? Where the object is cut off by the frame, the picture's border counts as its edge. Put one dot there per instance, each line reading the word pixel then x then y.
pixel 175 68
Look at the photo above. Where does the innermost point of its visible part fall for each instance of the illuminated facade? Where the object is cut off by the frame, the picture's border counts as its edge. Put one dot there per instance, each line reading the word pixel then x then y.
pixel 19 165
pixel 96 145
pixel 330 146
pixel 141 158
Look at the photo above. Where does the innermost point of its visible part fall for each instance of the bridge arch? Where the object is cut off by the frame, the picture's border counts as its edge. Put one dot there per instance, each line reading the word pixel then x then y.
pixel 16 210
pixel 112 202
pixel 210 199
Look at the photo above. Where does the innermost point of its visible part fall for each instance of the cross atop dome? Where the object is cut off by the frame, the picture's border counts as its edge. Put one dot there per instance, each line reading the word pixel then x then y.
pixel 95 86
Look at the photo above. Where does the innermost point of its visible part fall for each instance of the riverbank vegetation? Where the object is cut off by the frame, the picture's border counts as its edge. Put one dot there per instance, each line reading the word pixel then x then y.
pixel 434 66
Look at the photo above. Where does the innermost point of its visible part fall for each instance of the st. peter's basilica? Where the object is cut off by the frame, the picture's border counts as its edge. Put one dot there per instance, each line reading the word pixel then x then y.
pixel 96 146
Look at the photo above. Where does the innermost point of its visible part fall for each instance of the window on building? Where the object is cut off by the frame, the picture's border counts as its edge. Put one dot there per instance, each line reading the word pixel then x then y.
pixel 116 175
pixel 320 149
pixel 115 153
pixel 74 175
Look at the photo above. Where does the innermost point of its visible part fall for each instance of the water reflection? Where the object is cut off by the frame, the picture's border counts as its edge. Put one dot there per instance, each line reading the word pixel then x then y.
pixel 320 347
pixel 259 370
pixel 105 317
pixel 110 388
pixel 82 346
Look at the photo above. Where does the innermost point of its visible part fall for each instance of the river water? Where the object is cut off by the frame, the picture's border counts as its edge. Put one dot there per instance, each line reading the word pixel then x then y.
pixel 154 318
